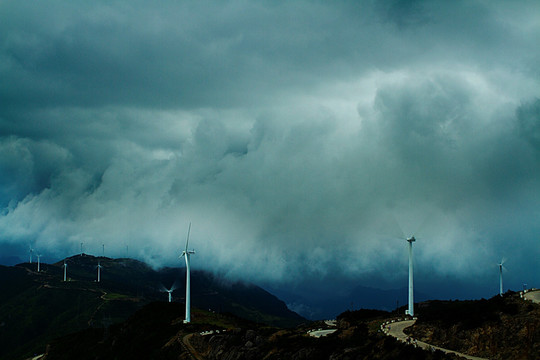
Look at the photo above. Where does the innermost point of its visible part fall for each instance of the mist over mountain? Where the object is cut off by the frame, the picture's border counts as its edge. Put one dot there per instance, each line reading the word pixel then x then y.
pixel 38 307
pixel 302 140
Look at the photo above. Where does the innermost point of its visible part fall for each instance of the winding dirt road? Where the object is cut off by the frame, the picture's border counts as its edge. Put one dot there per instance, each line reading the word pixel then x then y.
pixel 396 330
pixel 190 349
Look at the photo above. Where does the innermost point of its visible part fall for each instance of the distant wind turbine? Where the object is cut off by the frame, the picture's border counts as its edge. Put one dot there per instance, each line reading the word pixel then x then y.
pixel 169 291
pixel 186 253
pixel 501 267
pixel 31 251
pixel 173 287
pixel 99 271
pixel 81 249
pixel 103 247
pixel 38 262
pixel 65 270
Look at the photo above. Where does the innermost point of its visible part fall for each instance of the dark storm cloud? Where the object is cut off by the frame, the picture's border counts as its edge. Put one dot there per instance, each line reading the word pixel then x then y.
pixel 291 134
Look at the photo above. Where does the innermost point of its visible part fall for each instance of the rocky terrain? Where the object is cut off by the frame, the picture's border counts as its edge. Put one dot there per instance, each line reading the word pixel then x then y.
pixel 157 332
pixel 125 317
pixel 505 327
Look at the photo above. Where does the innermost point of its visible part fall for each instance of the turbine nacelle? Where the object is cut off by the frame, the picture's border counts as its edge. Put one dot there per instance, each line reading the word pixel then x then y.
pixel 188 252
pixel 411 239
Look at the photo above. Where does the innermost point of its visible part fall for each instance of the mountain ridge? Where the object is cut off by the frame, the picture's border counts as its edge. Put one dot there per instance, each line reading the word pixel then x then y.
pixel 37 307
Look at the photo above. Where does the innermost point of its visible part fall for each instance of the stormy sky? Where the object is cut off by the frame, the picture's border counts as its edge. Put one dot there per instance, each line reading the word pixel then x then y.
pixel 301 139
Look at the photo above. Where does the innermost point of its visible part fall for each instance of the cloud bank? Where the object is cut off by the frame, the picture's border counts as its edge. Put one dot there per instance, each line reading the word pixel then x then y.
pixel 298 138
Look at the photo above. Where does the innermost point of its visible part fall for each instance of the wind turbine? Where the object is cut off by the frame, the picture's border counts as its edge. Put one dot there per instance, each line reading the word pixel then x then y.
pixel 31 251
pixel 65 270
pixel 394 224
pixel 99 271
pixel 81 249
pixel 411 277
pixel 169 291
pixel 501 277
pixel 410 240
pixel 38 262
pixel 186 253
pixel 103 247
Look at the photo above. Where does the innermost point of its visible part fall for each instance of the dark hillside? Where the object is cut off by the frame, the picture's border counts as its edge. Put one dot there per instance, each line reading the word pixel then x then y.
pixel 37 307
pixel 157 332
pixel 505 327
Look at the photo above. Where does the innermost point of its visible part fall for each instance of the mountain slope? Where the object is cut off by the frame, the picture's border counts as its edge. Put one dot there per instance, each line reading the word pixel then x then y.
pixel 37 307
pixel 505 327
pixel 157 332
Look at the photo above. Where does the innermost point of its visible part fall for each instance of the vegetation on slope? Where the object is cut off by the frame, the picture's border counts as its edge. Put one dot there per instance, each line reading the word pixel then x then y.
pixel 36 307
pixel 157 332
pixel 505 327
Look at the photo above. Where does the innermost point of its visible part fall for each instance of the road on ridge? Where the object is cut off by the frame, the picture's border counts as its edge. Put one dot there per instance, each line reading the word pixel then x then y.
pixel 396 330
pixel 194 354
pixel 534 296
pixel 319 333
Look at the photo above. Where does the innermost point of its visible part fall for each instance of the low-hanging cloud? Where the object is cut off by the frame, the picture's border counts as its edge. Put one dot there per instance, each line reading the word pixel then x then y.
pixel 291 146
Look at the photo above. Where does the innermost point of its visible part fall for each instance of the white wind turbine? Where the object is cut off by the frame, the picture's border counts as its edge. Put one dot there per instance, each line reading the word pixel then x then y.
pixel 169 291
pixel 99 271
pixel 410 240
pixel 38 262
pixel 501 267
pixel 411 277
pixel 65 270
pixel 393 224
pixel 186 253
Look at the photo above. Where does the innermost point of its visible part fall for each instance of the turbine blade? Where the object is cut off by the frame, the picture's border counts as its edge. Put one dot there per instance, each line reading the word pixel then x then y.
pixel 427 219
pixel 392 225
pixel 187 240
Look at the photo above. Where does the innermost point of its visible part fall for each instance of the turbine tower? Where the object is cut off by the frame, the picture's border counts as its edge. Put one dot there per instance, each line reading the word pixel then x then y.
pixel 186 253
pixel 103 247
pixel 164 289
pixel 31 251
pixel 38 262
pixel 99 271
pixel 501 277
pixel 411 282
pixel 65 270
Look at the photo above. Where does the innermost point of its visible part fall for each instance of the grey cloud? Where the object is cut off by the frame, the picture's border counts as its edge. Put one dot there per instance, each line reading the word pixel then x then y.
pixel 213 54
pixel 289 134
pixel 528 116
